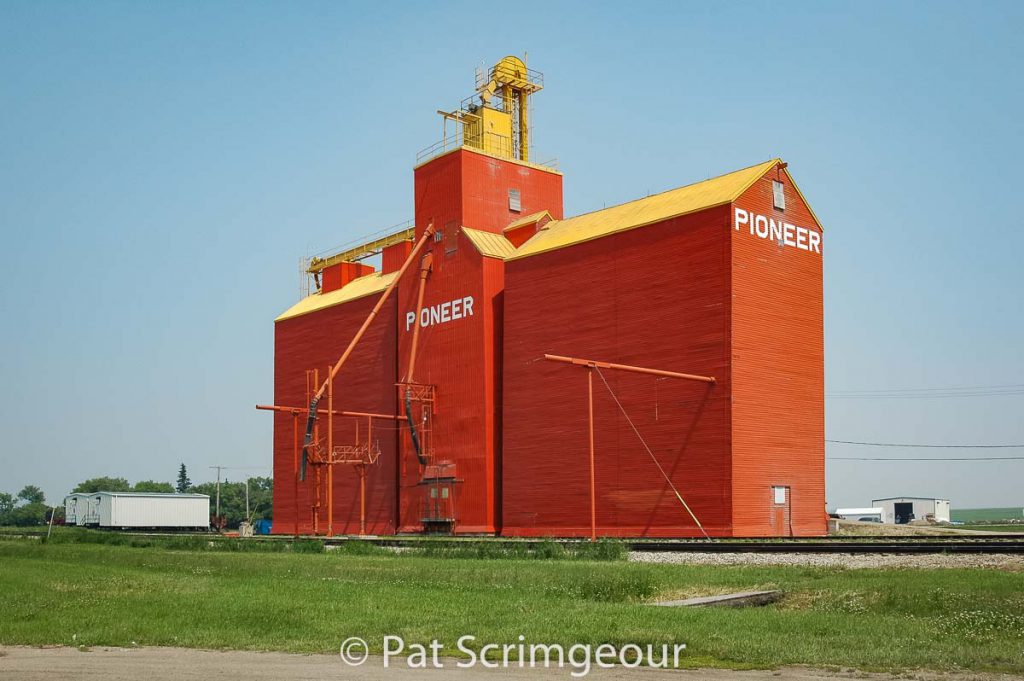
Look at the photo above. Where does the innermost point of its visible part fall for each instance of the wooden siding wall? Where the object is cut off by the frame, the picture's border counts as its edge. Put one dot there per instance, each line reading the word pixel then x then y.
pixel 778 371
pixel 657 297
pixel 458 357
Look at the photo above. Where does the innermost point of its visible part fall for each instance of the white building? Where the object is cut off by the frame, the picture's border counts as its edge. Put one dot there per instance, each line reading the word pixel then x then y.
pixel 902 510
pixel 871 515
pixel 76 508
pixel 140 510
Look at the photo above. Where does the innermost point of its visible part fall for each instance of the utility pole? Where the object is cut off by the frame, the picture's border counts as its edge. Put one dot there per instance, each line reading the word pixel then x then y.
pixel 247 500
pixel 216 513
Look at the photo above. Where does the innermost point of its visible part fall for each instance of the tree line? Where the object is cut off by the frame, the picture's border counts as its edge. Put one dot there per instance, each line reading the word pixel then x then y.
pixel 29 507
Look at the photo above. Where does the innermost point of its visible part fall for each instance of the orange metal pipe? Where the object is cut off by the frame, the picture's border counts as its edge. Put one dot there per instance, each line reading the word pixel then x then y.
pixel 362 502
pixel 425 266
pixel 427 233
pixel 300 411
pixel 590 422
pixel 295 467
pixel 316 438
pixel 626 367
pixel 316 506
pixel 330 455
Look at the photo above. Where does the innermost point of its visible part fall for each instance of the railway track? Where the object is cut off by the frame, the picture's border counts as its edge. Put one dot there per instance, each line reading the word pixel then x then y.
pixel 872 544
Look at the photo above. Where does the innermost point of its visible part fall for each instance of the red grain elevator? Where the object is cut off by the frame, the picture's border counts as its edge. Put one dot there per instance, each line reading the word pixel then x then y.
pixel 452 421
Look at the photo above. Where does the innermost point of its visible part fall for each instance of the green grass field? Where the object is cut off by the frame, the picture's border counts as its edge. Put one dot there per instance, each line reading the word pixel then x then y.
pixel 1002 529
pixel 87 594
pixel 986 515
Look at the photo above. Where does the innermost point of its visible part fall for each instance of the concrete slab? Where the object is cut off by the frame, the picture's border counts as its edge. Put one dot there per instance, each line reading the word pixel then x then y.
pixel 742 599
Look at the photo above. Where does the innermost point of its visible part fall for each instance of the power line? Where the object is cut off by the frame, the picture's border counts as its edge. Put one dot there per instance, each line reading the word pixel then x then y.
pixel 1016 386
pixel 924 395
pixel 966 458
pixel 897 444
pixel 928 393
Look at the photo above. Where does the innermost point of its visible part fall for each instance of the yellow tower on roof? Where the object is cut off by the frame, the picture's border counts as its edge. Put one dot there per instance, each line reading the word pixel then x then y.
pixel 497 119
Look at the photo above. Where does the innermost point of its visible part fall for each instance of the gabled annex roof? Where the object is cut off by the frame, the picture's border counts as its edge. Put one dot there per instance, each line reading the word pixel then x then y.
pixel 490 245
pixel 357 288
pixel 673 203
pixel 528 220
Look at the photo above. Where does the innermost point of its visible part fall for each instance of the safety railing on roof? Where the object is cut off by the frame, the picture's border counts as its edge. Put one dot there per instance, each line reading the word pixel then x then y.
pixel 534 78
pixel 488 142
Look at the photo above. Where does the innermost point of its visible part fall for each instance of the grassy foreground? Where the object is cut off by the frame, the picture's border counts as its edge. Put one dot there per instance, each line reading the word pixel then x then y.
pixel 80 594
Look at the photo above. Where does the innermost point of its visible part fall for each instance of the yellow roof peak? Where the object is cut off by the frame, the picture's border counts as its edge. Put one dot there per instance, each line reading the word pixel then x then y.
pixel 528 220
pixel 357 288
pixel 672 203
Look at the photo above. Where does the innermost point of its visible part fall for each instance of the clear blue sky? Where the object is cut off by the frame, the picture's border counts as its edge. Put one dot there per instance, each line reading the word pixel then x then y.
pixel 164 166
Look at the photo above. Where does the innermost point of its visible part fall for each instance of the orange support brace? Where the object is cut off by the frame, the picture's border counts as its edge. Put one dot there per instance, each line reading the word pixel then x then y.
pixel 626 367
pixel 590 365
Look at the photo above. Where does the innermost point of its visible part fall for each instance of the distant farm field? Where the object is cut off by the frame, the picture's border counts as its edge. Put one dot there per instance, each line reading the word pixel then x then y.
pixel 310 600
pixel 986 515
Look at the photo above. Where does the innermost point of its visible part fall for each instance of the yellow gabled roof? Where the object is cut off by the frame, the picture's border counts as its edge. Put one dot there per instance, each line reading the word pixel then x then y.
pixel 527 220
pixel 357 288
pixel 673 203
pixel 490 245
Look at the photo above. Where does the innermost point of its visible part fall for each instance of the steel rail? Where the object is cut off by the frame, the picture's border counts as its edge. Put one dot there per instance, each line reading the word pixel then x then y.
pixel 1005 544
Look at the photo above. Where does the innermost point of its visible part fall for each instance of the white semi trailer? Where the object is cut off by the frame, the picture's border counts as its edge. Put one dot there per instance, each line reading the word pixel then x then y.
pixel 138 510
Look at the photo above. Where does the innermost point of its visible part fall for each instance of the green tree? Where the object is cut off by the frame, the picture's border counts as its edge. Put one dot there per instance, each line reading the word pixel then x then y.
pixel 183 482
pixel 103 485
pixel 153 486
pixel 6 504
pixel 32 495
pixel 232 499
pixel 33 513
pixel 261 497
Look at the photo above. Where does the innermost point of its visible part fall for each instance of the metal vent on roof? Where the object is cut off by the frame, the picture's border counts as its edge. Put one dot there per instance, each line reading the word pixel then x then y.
pixel 515 202
pixel 779 195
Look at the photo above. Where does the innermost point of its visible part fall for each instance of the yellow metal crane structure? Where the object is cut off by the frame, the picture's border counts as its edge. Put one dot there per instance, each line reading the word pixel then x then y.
pixel 499 123
pixel 365 250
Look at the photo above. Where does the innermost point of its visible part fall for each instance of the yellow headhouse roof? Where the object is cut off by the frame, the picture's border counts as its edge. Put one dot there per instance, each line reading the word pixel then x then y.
pixel 673 203
pixel 357 288
pixel 490 245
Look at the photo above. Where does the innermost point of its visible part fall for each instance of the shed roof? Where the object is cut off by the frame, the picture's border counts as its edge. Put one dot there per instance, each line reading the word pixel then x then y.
pixel 357 288
pixel 673 203
pixel 490 245
pixel 141 494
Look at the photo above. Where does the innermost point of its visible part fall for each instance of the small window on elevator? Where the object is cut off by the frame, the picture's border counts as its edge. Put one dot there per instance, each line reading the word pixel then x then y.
pixel 515 201
pixel 451 238
pixel 778 195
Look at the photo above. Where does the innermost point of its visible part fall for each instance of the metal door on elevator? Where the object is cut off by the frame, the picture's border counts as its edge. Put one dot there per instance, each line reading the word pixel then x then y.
pixel 781 518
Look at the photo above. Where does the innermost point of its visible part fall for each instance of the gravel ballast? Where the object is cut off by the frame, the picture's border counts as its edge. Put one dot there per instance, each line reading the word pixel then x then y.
pixel 843 560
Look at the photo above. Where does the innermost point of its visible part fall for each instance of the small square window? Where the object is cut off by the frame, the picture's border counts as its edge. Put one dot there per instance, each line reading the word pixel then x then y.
pixel 451 237
pixel 444 492
pixel 779 195
pixel 515 202
pixel 780 494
